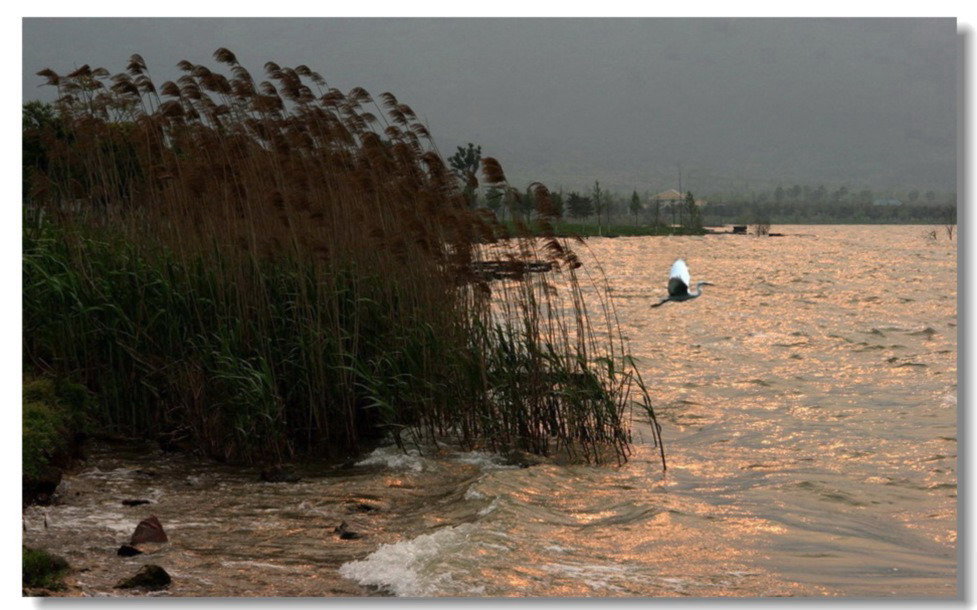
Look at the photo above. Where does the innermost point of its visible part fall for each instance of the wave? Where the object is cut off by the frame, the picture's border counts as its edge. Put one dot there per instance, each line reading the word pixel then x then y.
pixel 413 568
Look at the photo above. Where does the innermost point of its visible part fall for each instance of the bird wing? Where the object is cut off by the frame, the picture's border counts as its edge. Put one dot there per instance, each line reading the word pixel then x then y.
pixel 678 280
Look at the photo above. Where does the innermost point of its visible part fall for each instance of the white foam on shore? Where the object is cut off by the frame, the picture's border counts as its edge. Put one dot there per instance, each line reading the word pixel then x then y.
pixel 411 568
pixel 394 457
pixel 484 460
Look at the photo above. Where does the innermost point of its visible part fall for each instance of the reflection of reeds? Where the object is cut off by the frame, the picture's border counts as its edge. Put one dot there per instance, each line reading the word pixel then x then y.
pixel 269 268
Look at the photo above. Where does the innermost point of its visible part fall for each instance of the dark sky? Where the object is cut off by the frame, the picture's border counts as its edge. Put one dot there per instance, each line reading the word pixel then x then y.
pixel 739 103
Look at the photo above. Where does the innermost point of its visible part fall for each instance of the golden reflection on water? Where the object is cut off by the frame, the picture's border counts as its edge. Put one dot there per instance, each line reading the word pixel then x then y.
pixel 808 401
pixel 823 364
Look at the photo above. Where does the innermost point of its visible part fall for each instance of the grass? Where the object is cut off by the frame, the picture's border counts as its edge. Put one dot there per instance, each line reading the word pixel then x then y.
pixel 53 413
pixel 42 570
pixel 276 268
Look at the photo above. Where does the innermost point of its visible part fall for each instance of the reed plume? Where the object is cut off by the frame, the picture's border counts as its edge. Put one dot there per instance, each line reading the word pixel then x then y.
pixel 267 270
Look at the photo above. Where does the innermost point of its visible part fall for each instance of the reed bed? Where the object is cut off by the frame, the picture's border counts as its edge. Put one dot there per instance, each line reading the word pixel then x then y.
pixel 263 270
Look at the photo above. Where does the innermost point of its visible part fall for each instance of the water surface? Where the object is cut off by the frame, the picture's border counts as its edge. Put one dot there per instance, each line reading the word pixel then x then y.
pixel 808 402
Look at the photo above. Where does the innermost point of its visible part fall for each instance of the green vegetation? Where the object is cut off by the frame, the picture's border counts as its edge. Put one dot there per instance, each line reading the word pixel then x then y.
pixel 848 213
pixel 42 570
pixel 635 206
pixel 796 205
pixel 44 436
pixel 805 204
pixel 464 164
pixel 269 269
pixel 585 229
pixel 54 413
pixel 691 214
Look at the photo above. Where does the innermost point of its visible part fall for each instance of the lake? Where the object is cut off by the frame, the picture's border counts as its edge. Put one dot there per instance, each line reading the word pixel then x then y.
pixel 808 405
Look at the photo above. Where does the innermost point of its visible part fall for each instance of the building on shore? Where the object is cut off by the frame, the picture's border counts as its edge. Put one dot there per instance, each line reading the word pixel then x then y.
pixel 671 202
pixel 887 202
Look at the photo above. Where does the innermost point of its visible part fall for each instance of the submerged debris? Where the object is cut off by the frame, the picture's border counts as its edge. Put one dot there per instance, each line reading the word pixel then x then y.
pixel 345 534
pixel 279 474
pixel 151 577
pixel 361 507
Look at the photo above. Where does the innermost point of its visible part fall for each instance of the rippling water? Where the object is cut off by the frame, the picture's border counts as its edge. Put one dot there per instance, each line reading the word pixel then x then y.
pixel 808 402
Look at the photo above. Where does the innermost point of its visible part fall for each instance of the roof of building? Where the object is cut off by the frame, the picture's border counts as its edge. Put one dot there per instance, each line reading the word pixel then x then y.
pixel 673 195
pixel 669 195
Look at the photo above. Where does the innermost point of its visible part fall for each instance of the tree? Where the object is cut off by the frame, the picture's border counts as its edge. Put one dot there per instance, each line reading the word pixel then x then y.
pixel 465 164
pixel 526 203
pixel 493 199
pixel 559 207
pixel 579 206
pixel 913 196
pixel 819 194
pixel 612 206
pixel 598 205
pixel 795 192
pixel 779 194
pixel 635 206
pixel 930 197
pixel 39 120
pixel 692 216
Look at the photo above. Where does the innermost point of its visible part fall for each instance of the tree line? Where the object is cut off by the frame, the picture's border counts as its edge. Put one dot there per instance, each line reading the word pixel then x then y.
pixel 794 204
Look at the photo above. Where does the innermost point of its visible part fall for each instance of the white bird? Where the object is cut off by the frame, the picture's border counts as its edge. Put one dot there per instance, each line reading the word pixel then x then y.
pixel 678 284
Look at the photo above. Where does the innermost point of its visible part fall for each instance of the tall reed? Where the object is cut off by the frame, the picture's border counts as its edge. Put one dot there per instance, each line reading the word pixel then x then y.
pixel 273 268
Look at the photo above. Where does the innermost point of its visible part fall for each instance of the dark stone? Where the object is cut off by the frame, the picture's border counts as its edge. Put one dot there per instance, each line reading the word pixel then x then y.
pixel 149 474
pixel 523 459
pixel 149 577
pixel 134 502
pixel 175 442
pixel 361 507
pixel 148 530
pixel 344 534
pixel 279 474
pixel 128 551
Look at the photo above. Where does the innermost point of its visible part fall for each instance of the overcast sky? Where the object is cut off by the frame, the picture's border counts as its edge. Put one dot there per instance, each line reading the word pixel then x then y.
pixel 739 103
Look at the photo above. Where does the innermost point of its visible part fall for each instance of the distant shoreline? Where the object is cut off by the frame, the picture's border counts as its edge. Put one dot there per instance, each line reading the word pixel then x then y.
pixel 569 229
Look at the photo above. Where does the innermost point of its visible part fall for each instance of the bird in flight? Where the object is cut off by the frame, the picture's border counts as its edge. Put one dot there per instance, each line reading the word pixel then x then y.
pixel 678 284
